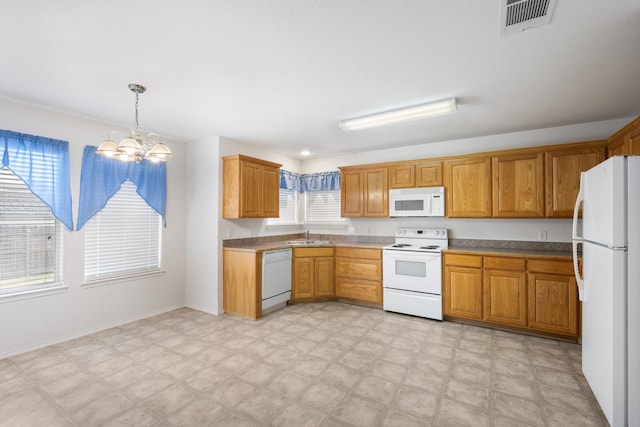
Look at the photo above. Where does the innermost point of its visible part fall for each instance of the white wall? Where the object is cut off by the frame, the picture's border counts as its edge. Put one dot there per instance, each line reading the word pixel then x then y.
pixel 557 230
pixel 35 322
pixel 202 256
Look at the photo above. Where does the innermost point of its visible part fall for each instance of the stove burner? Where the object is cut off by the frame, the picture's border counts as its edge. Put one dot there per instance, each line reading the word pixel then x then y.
pixel 400 245
pixel 430 247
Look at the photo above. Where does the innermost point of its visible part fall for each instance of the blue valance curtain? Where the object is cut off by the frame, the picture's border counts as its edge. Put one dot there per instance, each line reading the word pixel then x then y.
pixel 101 178
pixel 43 165
pixel 322 181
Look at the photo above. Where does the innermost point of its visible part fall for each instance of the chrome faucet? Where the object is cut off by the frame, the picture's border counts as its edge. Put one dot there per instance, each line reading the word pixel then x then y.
pixel 306 235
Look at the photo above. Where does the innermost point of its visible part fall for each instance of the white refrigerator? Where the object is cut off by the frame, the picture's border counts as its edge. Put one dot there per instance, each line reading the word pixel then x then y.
pixel 609 286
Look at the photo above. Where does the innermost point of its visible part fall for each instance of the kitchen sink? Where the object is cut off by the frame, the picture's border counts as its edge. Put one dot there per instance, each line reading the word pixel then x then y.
pixel 309 242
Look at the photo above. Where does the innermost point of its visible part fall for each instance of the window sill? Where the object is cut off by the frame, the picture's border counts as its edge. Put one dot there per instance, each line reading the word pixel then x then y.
pixel 18 295
pixel 124 278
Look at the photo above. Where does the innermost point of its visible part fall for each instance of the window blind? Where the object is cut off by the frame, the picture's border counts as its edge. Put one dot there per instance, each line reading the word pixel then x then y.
pixel 288 208
pixel 322 206
pixel 124 238
pixel 30 238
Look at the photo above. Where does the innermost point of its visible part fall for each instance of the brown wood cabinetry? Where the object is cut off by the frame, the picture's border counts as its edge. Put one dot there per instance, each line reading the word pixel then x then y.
pixel 250 187
pixel 553 297
pixel 468 187
pixel 313 273
pixel 364 192
pixel 533 294
pixel 518 185
pixel 359 274
pixel 462 291
pixel 504 284
pixel 242 283
pixel 422 174
pixel 563 169
pixel 625 141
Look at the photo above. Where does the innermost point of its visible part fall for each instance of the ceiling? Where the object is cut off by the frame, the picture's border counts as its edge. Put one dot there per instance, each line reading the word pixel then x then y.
pixel 283 73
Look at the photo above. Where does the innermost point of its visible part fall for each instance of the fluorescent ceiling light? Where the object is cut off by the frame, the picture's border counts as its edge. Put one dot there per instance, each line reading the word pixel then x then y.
pixel 401 115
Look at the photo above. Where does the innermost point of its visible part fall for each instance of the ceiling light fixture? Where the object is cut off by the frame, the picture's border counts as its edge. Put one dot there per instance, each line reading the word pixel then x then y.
pixel 134 147
pixel 401 115
pixel 305 153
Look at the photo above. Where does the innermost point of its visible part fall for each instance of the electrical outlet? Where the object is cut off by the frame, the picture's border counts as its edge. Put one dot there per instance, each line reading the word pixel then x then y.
pixel 351 229
pixel 230 232
pixel 542 235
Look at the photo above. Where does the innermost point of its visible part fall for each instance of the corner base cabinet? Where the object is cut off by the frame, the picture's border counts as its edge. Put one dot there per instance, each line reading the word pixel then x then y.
pixel 313 274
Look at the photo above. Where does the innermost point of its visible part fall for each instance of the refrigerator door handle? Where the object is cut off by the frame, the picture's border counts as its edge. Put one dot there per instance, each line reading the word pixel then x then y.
pixel 576 209
pixel 576 240
pixel 582 295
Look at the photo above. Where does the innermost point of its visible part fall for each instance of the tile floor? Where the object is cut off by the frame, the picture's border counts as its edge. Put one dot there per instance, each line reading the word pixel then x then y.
pixel 324 364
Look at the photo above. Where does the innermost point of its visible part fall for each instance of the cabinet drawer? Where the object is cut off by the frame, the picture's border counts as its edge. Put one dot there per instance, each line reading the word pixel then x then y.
pixel 311 252
pixel 500 263
pixel 463 260
pixel 359 253
pixel 362 290
pixel 368 269
pixel 551 267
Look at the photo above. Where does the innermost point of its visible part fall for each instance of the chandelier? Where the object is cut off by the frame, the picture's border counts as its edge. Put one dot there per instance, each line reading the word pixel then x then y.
pixel 134 147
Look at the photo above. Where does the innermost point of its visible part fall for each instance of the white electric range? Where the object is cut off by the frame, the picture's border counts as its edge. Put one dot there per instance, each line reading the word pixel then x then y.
pixel 412 272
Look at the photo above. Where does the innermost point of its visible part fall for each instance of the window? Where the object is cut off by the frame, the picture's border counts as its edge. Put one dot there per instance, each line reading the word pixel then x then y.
pixel 288 208
pixel 124 238
pixel 30 239
pixel 322 207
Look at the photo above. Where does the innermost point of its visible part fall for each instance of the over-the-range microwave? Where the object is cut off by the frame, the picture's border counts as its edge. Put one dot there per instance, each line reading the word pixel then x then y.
pixel 424 201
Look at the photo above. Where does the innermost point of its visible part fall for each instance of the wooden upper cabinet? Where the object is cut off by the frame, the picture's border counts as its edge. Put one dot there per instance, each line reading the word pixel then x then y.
pixel 625 141
pixel 563 169
pixel 376 192
pixel 468 187
pixel 423 174
pixel 518 185
pixel 250 187
pixel 351 193
pixel 364 192
pixel 429 174
pixel 403 176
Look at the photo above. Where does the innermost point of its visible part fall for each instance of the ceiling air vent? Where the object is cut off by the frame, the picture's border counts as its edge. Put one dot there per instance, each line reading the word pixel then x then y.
pixel 522 15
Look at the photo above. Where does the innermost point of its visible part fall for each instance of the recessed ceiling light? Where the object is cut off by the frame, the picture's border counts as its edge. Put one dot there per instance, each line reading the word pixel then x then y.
pixel 305 153
pixel 403 114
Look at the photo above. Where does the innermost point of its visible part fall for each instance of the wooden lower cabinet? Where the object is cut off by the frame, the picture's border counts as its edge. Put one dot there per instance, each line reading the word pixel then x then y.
pixel 359 274
pixel 553 298
pixel 242 279
pixel 538 295
pixel 313 273
pixel 462 291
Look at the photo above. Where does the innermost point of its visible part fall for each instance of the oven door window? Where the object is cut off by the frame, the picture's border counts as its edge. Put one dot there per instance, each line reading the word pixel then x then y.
pixel 411 268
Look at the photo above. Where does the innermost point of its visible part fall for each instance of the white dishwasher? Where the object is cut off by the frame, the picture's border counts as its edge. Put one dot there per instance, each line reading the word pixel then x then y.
pixel 276 279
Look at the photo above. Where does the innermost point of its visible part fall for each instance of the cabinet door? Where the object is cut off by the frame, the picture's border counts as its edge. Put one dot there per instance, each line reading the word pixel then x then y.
pixel 553 303
pixel 402 176
pixel 429 174
pixel 376 192
pixel 251 190
pixel 505 297
pixel 518 186
pixel 271 192
pixel 351 193
pixel 563 177
pixel 463 292
pixel 324 276
pixel 468 187
pixel 303 278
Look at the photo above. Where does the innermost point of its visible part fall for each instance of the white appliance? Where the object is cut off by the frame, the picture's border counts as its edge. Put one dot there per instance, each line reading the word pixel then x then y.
pixel 424 201
pixel 276 279
pixel 412 272
pixel 609 286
